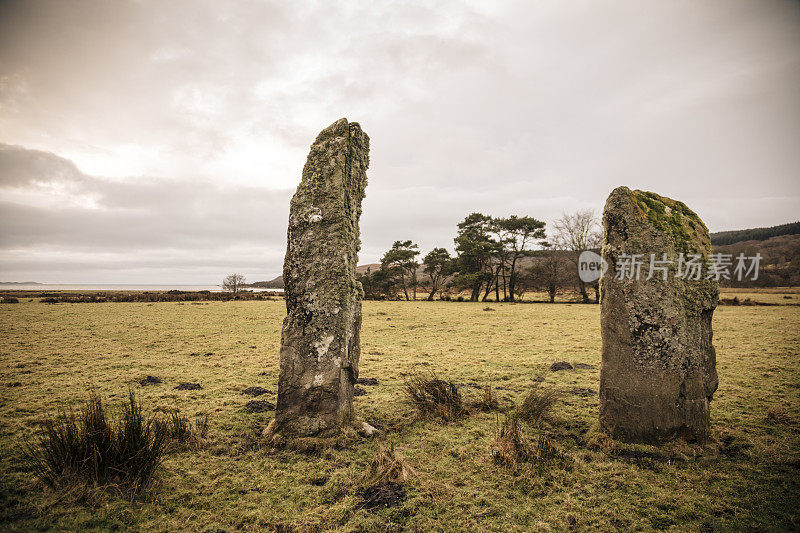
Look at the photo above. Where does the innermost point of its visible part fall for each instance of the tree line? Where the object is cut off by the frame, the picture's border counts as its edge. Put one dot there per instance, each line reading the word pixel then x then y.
pixel 500 258
pixel 754 234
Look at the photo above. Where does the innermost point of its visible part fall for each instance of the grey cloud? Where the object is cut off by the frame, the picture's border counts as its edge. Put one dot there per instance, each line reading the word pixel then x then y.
pixel 20 167
pixel 134 224
pixel 138 212
pixel 514 107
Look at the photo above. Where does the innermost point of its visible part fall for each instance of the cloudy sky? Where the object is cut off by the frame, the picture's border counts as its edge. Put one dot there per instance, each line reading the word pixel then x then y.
pixel 160 142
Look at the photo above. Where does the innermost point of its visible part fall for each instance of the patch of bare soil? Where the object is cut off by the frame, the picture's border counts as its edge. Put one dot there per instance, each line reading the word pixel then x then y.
pixel 381 496
pixel 255 391
pixel 188 386
pixel 259 406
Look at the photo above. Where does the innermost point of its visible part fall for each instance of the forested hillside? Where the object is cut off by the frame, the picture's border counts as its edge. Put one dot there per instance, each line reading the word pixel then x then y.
pixel 754 234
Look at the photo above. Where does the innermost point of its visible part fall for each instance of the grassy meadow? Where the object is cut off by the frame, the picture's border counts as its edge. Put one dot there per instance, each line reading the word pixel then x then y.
pixel 748 477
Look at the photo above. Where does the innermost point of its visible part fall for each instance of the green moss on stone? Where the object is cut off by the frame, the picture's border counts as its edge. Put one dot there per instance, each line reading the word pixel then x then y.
pixel 686 230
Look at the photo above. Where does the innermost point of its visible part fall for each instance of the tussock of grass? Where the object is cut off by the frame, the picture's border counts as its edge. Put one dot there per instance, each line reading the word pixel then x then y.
pixel 538 404
pixel 434 397
pixel 93 448
pixel 777 414
pixel 334 439
pixel 88 447
pixel 599 440
pixel 512 447
pixel 387 465
pixel 488 401
pixel 314 446
pixel 183 433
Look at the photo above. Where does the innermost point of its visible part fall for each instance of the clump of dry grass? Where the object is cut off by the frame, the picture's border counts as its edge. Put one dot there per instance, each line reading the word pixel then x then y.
pixel 777 414
pixel 512 446
pixel 488 401
pixel 387 465
pixel 434 397
pixel 538 404
pixel 599 440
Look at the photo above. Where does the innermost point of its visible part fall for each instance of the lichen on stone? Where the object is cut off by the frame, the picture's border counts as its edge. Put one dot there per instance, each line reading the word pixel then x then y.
pixel 319 343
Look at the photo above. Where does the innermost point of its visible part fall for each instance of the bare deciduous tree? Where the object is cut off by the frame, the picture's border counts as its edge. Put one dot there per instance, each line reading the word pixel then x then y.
pixel 576 233
pixel 233 283
pixel 551 271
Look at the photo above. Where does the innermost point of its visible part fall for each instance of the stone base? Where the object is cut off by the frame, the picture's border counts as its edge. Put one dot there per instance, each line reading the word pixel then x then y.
pixel 337 438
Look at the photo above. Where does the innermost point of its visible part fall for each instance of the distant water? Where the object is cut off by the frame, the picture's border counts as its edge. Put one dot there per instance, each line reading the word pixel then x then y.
pixel 112 287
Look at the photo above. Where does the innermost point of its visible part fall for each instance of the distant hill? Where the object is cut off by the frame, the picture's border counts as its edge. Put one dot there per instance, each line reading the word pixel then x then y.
pixel 755 234
pixel 277 283
pixel 779 247
pixel 780 260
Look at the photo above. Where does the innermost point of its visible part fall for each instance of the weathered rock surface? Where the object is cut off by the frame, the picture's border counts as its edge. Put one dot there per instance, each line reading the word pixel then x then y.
pixel 658 371
pixel 320 341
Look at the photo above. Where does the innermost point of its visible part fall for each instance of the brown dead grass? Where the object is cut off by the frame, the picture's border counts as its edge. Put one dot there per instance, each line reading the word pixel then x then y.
pixel 387 465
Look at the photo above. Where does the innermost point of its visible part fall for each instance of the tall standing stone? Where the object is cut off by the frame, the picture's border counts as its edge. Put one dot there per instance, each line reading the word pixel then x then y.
pixel 320 341
pixel 659 366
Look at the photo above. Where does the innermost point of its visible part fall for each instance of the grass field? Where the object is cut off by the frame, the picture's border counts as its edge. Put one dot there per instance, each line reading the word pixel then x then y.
pixel 747 478
pixel 781 296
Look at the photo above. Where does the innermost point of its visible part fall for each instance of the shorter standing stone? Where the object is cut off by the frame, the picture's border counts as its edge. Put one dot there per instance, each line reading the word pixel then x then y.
pixel 658 373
